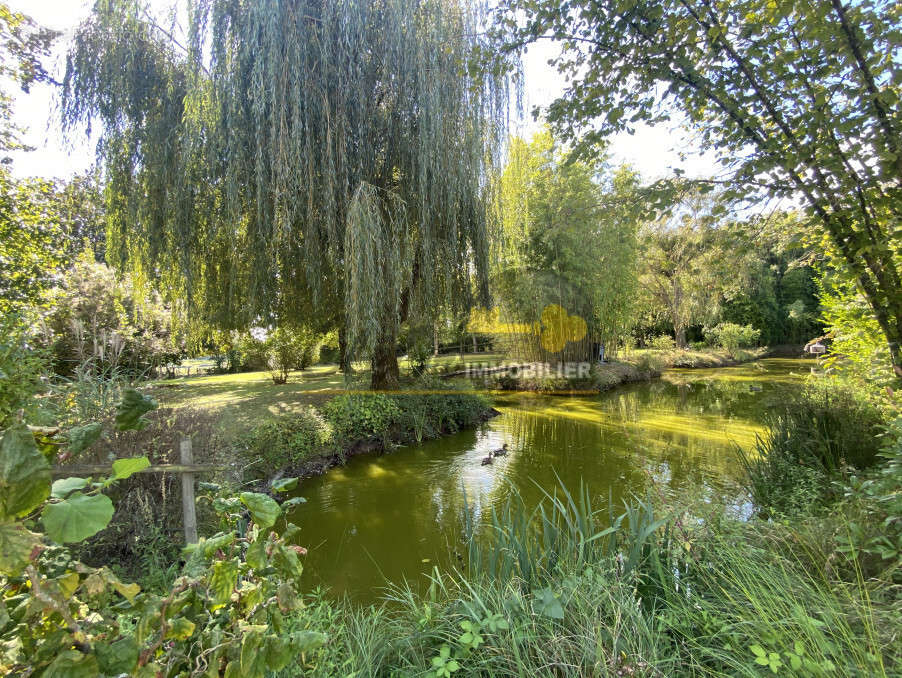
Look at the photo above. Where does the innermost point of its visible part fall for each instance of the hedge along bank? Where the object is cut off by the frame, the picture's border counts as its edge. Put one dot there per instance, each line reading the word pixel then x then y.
pixel 312 441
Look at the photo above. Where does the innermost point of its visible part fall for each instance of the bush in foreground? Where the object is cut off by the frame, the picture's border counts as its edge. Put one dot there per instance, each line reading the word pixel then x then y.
pixel 810 443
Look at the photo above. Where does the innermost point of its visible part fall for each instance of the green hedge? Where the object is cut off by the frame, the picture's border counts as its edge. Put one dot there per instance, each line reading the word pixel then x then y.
pixel 288 439
pixel 353 417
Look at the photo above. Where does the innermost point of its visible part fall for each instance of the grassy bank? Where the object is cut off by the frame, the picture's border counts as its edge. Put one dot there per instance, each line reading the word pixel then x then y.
pixel 312 440
pixel 567 591
pixel 241 400
pixel 661 359
pixel 567 380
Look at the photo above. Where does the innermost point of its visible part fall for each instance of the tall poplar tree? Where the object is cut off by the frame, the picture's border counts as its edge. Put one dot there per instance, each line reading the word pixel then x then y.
pixel 288 159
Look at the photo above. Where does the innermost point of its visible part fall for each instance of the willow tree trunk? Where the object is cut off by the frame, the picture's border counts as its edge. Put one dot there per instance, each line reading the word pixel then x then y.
pixel 384 363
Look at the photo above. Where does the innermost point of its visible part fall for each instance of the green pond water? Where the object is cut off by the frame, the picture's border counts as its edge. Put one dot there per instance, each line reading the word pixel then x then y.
pixel 392 517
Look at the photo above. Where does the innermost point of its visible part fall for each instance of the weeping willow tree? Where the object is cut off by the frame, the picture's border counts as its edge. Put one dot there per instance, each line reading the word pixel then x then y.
pixel 297 158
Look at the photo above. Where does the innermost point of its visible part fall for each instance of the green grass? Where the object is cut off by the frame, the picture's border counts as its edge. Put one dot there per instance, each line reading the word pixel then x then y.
pixel 711 357
pixel 567 590
pixel 245 399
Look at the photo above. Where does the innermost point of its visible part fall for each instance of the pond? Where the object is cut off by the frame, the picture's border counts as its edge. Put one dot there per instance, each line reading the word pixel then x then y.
pixel 386 518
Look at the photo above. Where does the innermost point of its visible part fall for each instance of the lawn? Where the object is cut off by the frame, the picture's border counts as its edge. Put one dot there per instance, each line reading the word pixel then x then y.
pixel 244 399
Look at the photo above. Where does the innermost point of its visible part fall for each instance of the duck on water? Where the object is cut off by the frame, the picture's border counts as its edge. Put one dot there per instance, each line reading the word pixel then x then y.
pixel 500 452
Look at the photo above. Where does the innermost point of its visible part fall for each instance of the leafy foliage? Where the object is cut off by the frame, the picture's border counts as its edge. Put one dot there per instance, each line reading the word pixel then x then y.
pixel 99 319
pixel 361 416
pixel 809 443
pixel 732 336
pixel 566 241
pixel 291 348
pixel 224 613
pixel 286 440
pixel 21 370
pixel 800 100
pixel 683 272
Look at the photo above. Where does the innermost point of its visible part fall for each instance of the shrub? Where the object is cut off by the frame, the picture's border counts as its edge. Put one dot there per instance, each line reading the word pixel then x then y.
pixel 820 432
pixel 357 416
pixel 100 319
pixel 871 515
pixel 251 351
pixel 732 336
pixel 288 439
pixel 663 342
pixel 21 370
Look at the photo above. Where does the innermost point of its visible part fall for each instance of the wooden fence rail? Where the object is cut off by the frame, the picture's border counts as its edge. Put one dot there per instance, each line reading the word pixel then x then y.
pixel 186 469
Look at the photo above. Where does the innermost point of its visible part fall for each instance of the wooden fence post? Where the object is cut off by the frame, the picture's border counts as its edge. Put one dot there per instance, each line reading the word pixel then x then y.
pixel 189 514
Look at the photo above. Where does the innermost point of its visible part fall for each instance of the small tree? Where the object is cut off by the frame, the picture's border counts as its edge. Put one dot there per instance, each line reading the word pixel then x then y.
pixel 732 336
pixel 284 351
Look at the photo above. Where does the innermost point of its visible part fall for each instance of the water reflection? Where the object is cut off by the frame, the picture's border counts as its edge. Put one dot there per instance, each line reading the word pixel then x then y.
pixel 400 514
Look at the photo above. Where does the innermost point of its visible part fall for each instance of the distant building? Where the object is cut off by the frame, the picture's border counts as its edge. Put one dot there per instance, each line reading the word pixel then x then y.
pixel 817 346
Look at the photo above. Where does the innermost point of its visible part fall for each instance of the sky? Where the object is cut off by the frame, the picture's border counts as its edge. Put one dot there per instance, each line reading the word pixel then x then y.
pixel 653 151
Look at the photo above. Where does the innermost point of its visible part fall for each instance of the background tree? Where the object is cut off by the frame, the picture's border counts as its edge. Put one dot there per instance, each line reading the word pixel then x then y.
pixel 31 246
pixel 684 271
pixel 567 238
pixel 798 99
pixel 779 295
pixel 296 156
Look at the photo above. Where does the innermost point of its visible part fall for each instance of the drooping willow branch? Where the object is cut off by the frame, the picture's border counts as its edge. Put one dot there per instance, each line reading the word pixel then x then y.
pixel 303 158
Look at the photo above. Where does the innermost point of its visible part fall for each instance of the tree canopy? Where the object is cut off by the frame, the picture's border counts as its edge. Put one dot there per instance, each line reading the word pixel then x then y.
pixel 567 239
pixel 798 98
pixel 287 155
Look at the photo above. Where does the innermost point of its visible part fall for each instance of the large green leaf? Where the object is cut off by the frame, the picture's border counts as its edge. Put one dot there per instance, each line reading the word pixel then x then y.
pixel 118 657
pixel 77 518
pixel 547 604
pixel 216 543
pixel 222 581
pixel 64 486
pixel 284 484
pixel 264 509
pixel 16 545
pixel 307 641
pixel 82 437
pixel 24 473
pixel 256 553
pixel 253 659
pixel 285 559
pixel 73 664
pixel 130 412
pixel 180 629
pixel 123 468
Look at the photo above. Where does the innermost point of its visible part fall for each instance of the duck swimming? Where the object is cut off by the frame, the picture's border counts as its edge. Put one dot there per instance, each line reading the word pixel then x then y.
pixel 487 460
pixel 500 452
